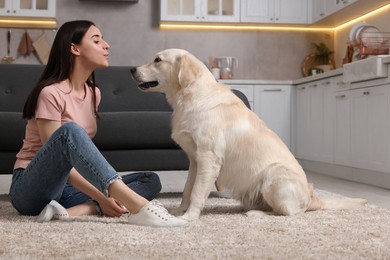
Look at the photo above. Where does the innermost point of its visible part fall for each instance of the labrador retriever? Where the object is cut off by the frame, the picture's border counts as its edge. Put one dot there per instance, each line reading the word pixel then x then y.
pixel 227 143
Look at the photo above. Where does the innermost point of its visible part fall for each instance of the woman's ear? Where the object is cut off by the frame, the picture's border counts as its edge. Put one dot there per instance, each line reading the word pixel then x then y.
pixel 74 49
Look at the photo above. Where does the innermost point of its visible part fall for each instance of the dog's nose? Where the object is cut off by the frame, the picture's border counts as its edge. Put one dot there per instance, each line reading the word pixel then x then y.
pixel 133 70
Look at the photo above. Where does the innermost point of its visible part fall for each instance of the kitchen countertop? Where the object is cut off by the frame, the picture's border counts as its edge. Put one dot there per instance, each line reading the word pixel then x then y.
pixel 332 73
pixel 324 75
pixel 255 82
pixel 283 82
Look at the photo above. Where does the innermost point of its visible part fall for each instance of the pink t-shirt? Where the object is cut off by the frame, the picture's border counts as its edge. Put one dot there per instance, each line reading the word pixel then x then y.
pixel 57 102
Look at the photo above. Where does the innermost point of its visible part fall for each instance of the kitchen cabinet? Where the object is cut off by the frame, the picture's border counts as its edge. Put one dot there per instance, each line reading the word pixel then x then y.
pixel 344 124
pixel 369 128
pixel 200 10
pixel 274 11
pixel 273 105
pixel 342 142
pixel 302 144
pixel 323 8
pixel 332 6
pixel 315 124
pixel 28 8
pixel 318 10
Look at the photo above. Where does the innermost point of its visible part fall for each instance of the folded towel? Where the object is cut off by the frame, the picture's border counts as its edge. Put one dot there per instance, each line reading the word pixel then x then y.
pixel 42 48
pixel 26 45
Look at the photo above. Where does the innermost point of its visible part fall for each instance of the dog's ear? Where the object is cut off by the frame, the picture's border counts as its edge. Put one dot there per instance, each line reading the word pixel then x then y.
pixel 189 70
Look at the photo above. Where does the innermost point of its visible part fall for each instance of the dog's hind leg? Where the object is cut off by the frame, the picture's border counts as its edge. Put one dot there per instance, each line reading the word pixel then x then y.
pixel 285 191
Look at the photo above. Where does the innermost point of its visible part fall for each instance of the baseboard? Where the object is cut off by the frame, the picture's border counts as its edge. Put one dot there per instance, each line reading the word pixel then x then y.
pixel 380 179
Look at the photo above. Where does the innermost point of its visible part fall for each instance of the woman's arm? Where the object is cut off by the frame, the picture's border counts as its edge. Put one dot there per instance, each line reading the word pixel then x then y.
pixel 109 206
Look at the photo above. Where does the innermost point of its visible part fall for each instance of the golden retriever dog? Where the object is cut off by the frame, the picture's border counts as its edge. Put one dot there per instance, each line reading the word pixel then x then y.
pixel 227 143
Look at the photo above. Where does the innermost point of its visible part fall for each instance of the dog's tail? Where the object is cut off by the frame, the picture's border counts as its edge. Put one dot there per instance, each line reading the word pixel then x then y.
pixel 345 203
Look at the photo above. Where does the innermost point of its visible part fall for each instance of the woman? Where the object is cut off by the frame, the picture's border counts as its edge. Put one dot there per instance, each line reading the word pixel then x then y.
pixel 59 172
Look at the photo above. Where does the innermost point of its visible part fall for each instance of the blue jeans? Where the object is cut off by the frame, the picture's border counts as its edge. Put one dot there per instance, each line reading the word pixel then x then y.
pixel 45 178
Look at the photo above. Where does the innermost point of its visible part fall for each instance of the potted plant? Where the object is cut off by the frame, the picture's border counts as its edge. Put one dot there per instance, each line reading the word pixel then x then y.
pixel 323 55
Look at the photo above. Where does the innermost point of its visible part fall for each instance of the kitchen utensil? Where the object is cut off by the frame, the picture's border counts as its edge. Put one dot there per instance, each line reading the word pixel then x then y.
pixel 25 46
pixel 227 65
pixel 353 33
pixel 213 62
pixel 8 58
pixel 216 72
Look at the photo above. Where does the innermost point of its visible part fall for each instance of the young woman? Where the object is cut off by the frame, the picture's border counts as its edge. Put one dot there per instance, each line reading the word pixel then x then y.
pixel 59 172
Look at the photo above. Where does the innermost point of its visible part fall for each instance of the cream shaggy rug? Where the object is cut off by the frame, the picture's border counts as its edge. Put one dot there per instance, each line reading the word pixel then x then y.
pixel 223 232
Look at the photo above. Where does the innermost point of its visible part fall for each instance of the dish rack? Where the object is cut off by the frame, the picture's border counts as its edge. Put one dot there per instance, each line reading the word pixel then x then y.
pixel 374 43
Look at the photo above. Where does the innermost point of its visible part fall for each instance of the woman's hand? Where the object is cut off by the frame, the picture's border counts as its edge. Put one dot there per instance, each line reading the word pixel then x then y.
pixel 111 207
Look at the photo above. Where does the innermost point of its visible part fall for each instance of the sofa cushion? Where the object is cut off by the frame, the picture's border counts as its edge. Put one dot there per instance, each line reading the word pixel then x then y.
pixel 12 132
pixel 16 82
pixel 121 93
pixel 134 130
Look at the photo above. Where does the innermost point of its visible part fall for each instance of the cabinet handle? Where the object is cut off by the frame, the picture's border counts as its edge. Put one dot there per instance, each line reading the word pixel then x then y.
pixel 341 96
pixel 301 88
pixel 366 93
pixel 326 83
pixel 313 86
pixel 273 90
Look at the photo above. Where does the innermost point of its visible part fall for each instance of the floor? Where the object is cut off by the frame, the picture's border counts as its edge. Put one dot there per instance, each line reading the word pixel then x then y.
pixel 173 181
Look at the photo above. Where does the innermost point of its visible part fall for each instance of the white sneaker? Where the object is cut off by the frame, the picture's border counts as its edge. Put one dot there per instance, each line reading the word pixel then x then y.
pixel 155 215
pixel 53 210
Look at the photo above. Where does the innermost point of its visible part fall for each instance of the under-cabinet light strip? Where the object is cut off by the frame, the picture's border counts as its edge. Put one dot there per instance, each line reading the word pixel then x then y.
pixel 27 23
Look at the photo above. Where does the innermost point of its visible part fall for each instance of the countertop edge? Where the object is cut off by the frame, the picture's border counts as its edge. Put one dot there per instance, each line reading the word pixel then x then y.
pixel 327 74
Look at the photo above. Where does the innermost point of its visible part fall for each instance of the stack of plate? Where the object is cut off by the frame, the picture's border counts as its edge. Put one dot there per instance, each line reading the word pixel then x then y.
pixel 367 38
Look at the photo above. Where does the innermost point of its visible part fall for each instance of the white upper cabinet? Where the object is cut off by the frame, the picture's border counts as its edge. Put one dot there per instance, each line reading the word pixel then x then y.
pixel 332 6
pixel 28 8
pixel 200 10
pixel 318 10
pixel 274 11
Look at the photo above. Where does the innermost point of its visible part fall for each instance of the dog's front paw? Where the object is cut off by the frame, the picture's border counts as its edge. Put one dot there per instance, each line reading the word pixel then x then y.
pixel 189 217
pixel 177 212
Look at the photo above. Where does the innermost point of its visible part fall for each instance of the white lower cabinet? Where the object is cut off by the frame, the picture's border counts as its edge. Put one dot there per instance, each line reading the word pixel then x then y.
pixel 314 121
pixel 303 125
pixel 348 127
pixel 273 105
pixel 369 128
pixel 342 123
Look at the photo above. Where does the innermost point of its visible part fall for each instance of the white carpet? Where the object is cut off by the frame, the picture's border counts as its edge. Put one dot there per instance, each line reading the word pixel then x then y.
pixel 223 232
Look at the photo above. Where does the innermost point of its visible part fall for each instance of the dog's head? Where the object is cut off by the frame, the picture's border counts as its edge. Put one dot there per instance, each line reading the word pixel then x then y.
pixel 170 71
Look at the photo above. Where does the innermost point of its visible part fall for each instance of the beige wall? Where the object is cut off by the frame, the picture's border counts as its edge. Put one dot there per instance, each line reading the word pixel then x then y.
pixel 133 33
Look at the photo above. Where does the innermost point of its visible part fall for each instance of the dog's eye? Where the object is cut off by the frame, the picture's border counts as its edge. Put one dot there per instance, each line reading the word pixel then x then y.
pixel 157 59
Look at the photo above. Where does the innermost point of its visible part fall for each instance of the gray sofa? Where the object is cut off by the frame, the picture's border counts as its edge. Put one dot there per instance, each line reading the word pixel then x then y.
pixel 133 130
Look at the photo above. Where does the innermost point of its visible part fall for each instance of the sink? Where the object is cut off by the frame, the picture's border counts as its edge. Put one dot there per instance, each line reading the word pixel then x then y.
pixel 367 69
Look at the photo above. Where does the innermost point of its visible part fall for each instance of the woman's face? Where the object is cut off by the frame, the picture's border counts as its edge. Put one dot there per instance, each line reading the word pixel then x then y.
pixel 93 50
